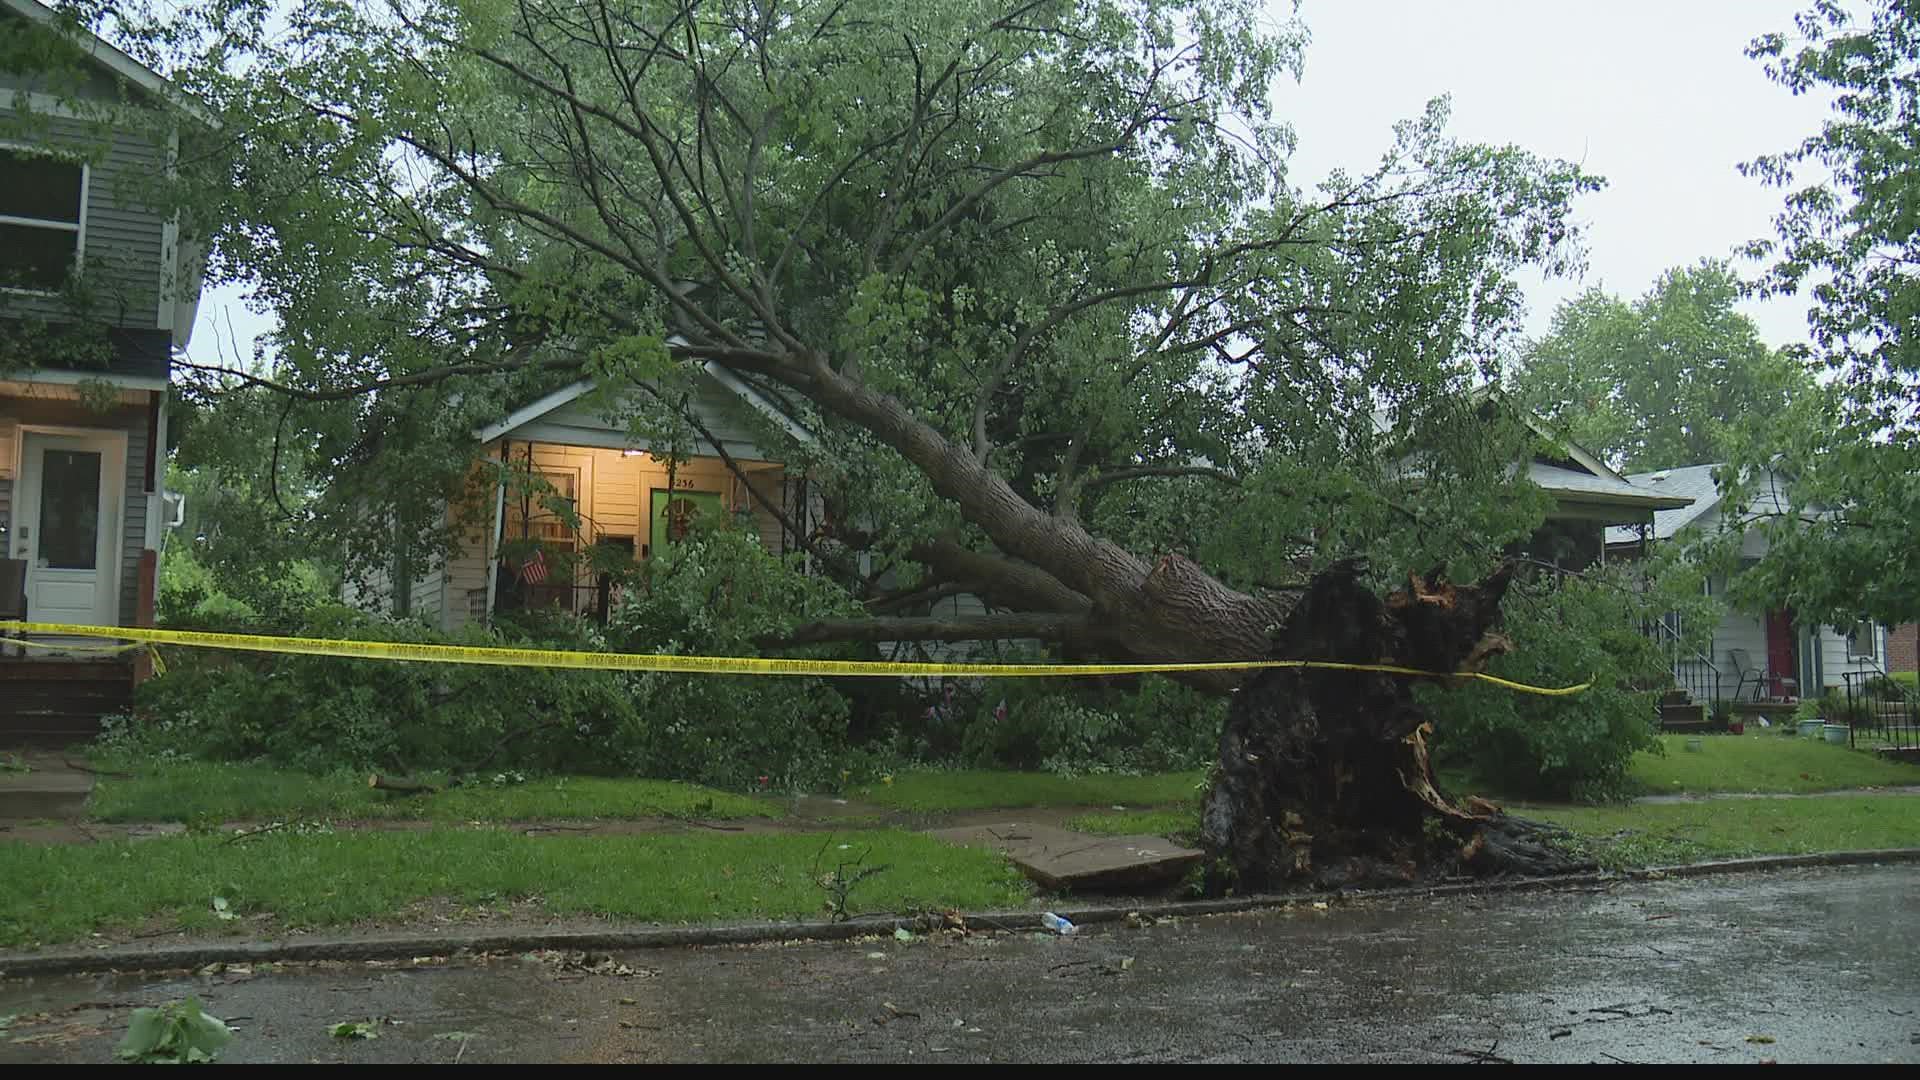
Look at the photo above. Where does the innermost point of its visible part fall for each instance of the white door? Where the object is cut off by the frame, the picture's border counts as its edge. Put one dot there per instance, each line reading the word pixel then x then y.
pixel 67 514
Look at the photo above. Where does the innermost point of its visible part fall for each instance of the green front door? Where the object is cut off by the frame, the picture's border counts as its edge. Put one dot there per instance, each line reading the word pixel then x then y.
pixel 671 518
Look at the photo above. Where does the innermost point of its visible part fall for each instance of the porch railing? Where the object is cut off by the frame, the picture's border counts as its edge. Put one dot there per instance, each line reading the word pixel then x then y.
pixel 1693 671
pixel 1881 713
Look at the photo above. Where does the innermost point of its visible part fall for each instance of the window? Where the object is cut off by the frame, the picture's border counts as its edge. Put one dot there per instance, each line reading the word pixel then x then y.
pixel 1863 642
pixel 42 202
pixel 543 515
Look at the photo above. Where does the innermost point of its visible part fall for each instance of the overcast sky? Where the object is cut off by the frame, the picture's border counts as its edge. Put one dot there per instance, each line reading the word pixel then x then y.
pixel 1658 97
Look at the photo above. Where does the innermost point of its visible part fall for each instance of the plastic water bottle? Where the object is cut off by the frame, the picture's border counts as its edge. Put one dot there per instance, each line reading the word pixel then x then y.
pixel 1057 924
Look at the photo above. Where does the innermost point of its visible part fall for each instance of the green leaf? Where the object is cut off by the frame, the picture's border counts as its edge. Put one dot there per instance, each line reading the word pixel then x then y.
pixel 356 1029
pixel 173 1034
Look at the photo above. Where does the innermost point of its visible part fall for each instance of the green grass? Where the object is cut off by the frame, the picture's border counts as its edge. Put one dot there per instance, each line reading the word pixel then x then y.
pixel 1764 763
pixel 1625 836
pixel 188 791
pixel 936 791
pixel 62 893
pixel 1183 823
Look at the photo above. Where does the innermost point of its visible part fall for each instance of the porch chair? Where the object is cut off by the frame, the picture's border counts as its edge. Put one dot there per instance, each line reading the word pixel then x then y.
pixel 1745 672
pixel 13 597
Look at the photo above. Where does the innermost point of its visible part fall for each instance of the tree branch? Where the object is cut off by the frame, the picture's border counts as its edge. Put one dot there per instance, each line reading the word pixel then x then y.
pixel 1137 472
pixel 1044 626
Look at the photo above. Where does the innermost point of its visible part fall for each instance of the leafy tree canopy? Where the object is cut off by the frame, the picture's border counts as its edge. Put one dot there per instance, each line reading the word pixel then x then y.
pixel 1670 379
pixel 1849 235
pixel 1035 271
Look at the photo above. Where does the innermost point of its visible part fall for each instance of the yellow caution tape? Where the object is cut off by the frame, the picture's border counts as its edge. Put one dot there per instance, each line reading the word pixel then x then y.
pixel 159 665
pixel 702 665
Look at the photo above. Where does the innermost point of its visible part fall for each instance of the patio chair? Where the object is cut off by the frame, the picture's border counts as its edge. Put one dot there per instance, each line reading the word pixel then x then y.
pixel 1744 672
pixel 13 597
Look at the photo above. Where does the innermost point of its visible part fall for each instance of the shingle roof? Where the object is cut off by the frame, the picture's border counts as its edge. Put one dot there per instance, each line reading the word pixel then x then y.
pixel 1563 481
pixel 1695 482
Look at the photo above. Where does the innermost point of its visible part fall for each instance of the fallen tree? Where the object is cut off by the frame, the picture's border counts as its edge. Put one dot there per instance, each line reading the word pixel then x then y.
pixel 1033 276
pixel 1324 776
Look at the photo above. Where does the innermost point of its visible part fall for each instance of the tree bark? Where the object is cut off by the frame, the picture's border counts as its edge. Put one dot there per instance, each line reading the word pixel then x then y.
pixel 1042 626
pixel 1170 610
pixel 1324 779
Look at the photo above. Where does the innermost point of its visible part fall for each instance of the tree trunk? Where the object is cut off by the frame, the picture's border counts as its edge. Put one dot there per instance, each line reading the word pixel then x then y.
pixel 1169 610
pixel 1324 779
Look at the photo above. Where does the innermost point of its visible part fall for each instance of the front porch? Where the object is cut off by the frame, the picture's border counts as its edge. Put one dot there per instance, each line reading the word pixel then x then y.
pixel 554 541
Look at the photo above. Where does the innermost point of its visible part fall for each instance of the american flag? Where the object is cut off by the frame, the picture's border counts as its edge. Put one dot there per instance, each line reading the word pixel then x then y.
pixel 534 570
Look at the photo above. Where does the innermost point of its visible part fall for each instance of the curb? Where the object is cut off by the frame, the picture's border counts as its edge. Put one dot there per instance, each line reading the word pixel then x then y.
pixel 400 947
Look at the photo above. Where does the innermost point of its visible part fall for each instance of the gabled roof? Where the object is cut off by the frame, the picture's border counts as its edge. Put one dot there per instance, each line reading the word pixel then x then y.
pixel 1589 479
pixel 113 59
pixel 567 395
pixel 1578 485
pixel 1695 482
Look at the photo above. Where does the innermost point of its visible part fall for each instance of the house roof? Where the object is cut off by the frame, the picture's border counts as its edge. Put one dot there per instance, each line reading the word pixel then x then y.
pixel 1581 477
pixel 1591 487
pixel 113 59
pixel 566 395
pixel 1695 482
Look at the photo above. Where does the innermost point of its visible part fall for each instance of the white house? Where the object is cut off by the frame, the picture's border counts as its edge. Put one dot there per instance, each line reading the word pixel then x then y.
pixel 1765 654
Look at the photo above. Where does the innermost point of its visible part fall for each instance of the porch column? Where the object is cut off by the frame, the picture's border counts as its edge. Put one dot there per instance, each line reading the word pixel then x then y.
pixel 499 526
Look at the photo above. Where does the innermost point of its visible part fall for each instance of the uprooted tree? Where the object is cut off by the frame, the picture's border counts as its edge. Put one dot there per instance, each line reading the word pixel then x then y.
pixel 1034 273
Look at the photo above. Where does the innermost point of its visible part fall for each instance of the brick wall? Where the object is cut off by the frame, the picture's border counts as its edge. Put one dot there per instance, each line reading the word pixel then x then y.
pixel 1903 648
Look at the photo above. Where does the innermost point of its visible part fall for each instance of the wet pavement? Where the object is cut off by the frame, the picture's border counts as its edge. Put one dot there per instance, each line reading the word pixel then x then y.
pixel 1797 966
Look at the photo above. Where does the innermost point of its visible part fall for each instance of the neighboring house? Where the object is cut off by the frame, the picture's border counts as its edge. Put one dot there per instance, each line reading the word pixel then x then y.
pixel 83 434
pixel 1589 497
pixel 625 499
pixel 1754 654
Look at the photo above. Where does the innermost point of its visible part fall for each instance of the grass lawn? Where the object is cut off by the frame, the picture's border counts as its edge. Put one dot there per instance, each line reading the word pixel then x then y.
pixel 1623 836
pixel 932 791
pixel 1765 762
pixel 188 791
pixel 1183 823
pixel 61 893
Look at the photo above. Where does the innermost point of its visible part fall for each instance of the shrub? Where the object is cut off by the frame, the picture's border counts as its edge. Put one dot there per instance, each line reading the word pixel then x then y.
pixel 1154 725
pixel 719 593
pixel 1836 708
pixel 1565 629
pixel 321 713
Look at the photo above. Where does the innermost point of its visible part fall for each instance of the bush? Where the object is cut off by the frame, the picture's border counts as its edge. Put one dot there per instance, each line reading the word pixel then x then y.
pixel 322 713
pixel 1565 629
pixel 1157 725
pixel 716 593
pixel 1836 708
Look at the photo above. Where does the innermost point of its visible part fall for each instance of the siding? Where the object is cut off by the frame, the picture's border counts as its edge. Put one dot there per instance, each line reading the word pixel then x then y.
pixel 122 238
pixel 50 407
pixel 1738 630
pixel 428 595
pixel 580 424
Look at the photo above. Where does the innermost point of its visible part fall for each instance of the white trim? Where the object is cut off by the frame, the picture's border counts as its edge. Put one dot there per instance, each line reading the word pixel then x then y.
pixel 499 526
pixel 759 401
pixel 120 63
pixel 618 439
pixel 116 476
pixel 535 411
